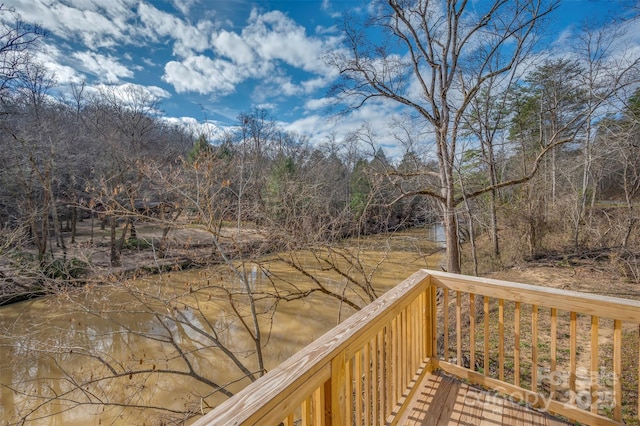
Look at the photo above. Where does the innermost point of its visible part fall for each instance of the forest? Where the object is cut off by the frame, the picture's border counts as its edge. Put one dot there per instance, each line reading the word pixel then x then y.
pixel 541 163
pixel 522 157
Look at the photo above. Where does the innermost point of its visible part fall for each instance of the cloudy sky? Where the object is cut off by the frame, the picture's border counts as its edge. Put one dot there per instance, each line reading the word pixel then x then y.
pixel 215 59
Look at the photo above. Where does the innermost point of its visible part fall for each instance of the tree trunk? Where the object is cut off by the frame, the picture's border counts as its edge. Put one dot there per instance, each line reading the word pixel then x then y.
pixel 472 238
pixel 40 233
pixel 57 228
pixel 494 225
pixel 451 239
pixel 74 223
pixel 114 253
pixel 493 197
pixel 162 249
pixel 133 235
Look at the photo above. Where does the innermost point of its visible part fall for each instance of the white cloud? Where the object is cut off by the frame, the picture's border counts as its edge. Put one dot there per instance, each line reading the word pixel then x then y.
pixel 212 130
pixel 378 115
pixel 131 92
pixel 186 37
pixel 135 97
pixel 63 73
pixel 328 8
pixel 202 74
pixel 233 47
pixel 280 85
pixel 318 83
pixel 95 23
pixel 109 24
pixel 316 104
pixel 183 5
pixel 274 36
pixel 105 68
pixel 207 60
pixel 261 50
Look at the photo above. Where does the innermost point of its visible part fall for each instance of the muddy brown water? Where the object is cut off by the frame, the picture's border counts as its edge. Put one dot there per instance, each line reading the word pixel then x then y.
pixel 102 354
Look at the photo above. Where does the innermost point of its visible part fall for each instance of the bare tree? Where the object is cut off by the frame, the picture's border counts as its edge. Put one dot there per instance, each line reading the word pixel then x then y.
pixel 17 41
pixel 607 73
pixel 122 118
pixel 434 57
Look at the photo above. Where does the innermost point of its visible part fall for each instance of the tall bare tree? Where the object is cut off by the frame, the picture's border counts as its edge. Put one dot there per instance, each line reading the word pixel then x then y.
pixel 434 57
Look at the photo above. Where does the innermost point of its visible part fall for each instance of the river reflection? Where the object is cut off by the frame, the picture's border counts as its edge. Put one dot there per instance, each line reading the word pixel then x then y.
pixel 103 354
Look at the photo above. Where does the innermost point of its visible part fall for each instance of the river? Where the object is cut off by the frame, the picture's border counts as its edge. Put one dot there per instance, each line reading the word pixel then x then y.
pixel 106 353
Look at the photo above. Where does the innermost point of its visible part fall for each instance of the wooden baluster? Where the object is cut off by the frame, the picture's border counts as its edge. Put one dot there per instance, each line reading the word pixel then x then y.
pixel 288 421
pixel 408 352
pixel 382 380
pixel 321 404
pixel 306 412
pixel 417 359
pixel 594 364
pixel 534 348
pixel 553 349
pixel 388 388
pixel 394 361
pixel 375 379
pixel 445 324
pixel 369 389
pixel 409 345
pixel 458 329
pixel 638 398
pixel 424 299
pixel 421 323
pixel 357 388
pixel 472 331
pixel 516 345
pixel 433 305
pixel 340 390
pixel 617 370
pixel 501 339
pixel 573 346
pixel 486 336
pixel 384 374
pixel 410 342
pixel 349 397
pixel 402 353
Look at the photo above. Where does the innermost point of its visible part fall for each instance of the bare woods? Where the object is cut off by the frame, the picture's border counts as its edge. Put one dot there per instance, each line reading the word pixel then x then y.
pixel 521 153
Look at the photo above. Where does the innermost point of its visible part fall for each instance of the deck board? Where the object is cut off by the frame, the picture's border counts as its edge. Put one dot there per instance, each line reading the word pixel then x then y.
pixel 444 400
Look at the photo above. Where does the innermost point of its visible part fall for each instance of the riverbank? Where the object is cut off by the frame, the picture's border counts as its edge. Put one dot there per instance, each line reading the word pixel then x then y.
pixel 193 247
pixel 190 247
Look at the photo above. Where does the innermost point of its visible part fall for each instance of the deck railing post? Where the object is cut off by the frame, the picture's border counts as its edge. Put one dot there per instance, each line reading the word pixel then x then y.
pixel 430 312
pixel 325 418
pixel 338 391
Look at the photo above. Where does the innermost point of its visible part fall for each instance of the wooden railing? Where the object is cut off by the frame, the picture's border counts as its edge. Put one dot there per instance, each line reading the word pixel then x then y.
pixel 524 342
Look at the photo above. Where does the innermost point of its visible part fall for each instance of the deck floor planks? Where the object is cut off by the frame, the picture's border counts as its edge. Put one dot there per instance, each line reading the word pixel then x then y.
pixel 472 409
pixel 444 400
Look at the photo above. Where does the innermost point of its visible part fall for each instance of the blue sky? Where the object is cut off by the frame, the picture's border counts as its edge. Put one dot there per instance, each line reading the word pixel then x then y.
pixel 215 59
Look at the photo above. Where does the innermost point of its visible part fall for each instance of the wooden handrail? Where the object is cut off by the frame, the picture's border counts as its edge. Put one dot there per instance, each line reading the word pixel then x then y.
pixel 319 373
pixel 572 301
pixel 552 384
pixel 364 370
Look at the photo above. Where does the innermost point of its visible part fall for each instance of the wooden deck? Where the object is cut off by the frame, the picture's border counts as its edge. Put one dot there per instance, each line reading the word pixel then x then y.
pixel 401 361
pixel 444 400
